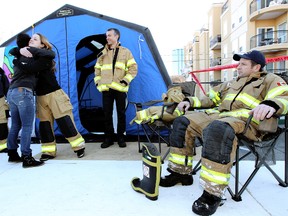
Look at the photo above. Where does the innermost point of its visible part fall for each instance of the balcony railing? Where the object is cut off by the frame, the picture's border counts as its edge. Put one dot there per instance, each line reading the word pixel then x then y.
pixel 279 71
pixel 260 4
pixel 196 39
pixel 215 40
pixel 224 7
pixel 214 62
pixel 269 38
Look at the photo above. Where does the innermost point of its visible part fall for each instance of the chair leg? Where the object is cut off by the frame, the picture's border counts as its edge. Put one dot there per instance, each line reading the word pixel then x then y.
pixel 159 140
pixel 236 195
pixel 196 168
pixel 138 136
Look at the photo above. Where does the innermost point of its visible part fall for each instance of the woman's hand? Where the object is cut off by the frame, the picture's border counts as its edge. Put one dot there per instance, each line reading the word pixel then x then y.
pixel 25 52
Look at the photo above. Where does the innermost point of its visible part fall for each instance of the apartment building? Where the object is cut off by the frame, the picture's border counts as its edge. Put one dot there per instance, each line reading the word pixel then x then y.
pixel 236 26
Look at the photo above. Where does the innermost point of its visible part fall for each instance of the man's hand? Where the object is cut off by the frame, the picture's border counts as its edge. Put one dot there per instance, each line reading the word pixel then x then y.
pixel 262 111
pixel 183 106
pixel 25 52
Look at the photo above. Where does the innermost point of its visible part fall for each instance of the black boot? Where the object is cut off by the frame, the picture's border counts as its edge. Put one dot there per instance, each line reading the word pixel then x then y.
pixel 107 142
pixel 121 142
pixel 45 157
pixel 175 178
pixel 207 204
pixel 80 153
pixel 5 150
pixel 29 161
pixel 14 156
pixel 149 184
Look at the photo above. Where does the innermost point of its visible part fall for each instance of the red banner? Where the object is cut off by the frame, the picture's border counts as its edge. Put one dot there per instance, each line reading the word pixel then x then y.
pixel 222 67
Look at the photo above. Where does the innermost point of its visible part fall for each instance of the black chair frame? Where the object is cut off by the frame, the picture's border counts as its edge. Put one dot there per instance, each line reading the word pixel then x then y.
pixel 153 129
pixel 260 161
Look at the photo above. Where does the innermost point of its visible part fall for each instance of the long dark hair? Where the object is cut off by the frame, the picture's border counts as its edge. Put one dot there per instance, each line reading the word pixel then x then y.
pixel 48 46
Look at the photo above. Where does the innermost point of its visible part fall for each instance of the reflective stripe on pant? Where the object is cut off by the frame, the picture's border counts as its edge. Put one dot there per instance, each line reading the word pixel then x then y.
pixel 214 177
pixel 3 145
pixel 55 106
pixel 181 160
pixel 197 121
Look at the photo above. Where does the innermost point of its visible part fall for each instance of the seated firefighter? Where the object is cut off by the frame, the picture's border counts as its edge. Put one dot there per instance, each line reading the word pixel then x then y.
pixel 254 92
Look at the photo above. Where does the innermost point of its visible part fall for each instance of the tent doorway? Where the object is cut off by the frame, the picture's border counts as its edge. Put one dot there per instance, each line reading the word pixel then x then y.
pixel 89 98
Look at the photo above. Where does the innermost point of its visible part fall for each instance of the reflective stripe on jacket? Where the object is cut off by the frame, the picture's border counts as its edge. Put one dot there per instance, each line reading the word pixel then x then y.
pixel 125 69
pixel 237 98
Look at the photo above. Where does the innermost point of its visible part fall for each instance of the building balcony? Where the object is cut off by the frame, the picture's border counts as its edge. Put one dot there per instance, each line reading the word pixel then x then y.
pixel 215 43
pixel 280 71
pixel 215 62
pixel 260 10
pixel 272 41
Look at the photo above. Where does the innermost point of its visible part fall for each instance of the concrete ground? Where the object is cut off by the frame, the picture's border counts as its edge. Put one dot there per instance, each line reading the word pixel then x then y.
pixel 99 184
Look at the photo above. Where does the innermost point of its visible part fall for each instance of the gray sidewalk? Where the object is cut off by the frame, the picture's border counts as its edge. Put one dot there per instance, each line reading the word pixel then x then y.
pixel 99 184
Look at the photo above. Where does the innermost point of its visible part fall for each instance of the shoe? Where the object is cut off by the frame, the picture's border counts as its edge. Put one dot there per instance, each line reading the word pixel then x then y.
pixel 207 204
pixel 107 143
pixel 80 152
pixel 14 156
pixel 121 142
pixel 29 161
pixel 4 150
pixel 176 178
pixel 45 157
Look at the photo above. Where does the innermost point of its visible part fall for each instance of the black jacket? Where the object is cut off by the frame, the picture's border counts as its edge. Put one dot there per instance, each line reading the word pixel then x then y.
pixel 4 83
pixel 26 69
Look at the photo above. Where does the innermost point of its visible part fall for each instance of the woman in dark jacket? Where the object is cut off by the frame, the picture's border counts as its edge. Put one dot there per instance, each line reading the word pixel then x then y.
pixel 21 98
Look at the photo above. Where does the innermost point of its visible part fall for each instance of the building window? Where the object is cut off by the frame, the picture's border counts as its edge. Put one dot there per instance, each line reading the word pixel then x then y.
pixel 240 19
pixel 282 33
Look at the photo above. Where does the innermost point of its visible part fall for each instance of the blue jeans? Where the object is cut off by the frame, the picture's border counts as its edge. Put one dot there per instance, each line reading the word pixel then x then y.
pixel 22 108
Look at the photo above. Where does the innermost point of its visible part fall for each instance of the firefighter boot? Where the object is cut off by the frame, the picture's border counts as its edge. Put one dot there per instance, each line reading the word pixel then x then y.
pixel 14 156
pixel 207 204
pixel 149 185
pixel 176 178
pixel 107 142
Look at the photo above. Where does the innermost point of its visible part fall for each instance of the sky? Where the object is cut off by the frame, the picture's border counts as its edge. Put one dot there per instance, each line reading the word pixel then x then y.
pixel 171 23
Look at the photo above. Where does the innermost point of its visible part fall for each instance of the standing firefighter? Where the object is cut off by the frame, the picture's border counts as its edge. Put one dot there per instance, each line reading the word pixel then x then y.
pixel 254 92
pixel 4 85
pixel 114 70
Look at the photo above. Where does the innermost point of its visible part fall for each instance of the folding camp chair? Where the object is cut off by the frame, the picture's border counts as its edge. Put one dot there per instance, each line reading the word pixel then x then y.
pixel 263 153
pixel 154 129
pixel 159 128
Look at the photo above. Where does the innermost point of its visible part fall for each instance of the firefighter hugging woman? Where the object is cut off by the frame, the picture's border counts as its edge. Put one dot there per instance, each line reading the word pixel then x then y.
pixel 52 104
pixel 255 93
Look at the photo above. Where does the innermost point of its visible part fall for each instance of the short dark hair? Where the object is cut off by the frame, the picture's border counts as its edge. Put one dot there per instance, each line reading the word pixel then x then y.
pixel 22 40
pixel 116 31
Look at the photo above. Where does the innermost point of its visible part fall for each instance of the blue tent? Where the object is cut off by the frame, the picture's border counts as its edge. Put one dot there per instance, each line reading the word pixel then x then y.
pixel 77 36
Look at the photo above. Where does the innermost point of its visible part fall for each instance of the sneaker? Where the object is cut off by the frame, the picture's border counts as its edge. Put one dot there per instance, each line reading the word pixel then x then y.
pixel 80 153
pixel 45 157
pixel 107 143
pixel 29 161
pixel 176 178
pixel 121 142
pixel 207 204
